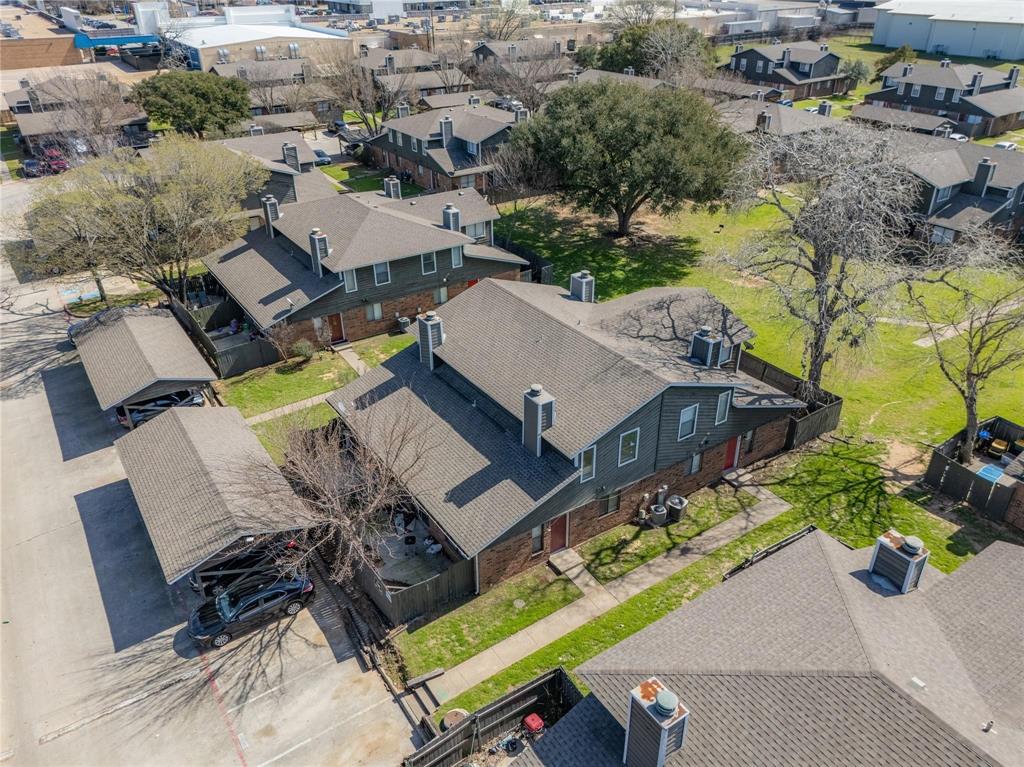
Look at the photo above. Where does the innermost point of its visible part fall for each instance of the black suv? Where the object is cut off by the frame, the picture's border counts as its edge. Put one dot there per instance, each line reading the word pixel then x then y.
pixel 247 607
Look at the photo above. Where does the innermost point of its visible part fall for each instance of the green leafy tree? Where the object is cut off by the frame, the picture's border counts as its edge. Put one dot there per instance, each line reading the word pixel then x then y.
pixel 588 56
pixel 194 102
pixel 856 70
pixel 658 47
pixel 903 53
pixel 615 147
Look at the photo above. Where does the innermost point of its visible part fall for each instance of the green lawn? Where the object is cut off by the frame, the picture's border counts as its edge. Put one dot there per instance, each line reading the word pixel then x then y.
pixel 374 351
pixel 841 490
pixel 1016 136
pixel 10 151
pixel 273 433
pixel 282 383
pixel 891 388
pixel 485 620
pixel 624 548
pixel 94 305
pixel 375 182
pixel 346 172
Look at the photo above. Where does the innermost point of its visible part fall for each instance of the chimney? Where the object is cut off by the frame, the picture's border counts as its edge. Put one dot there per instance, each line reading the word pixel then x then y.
pixel 907 69
pixel 271 212
pixel 737 48
pixel 786 53
pixel 558 47
pixel 705 347
pixel 255 130
pixel 403 110
pixel 473 100
pixel 581 286
pixel 538 417
pixel 764 121
pixel 430 335
pixel 825 108
pixel 24 83
pixel 574 77
pixel 630 71
pixel 982 176
pixel 447 130
pixel 513 52
pixel 319 250
pixel 451 218
pixel 900 559
pixel 522 115
pixel 389 64
pixel 290 153
pixel 759 95
pixel 976 84
pixel 823 47
pixel 393 188
pixel 945 63
pixel 655 725
pixel 1013 76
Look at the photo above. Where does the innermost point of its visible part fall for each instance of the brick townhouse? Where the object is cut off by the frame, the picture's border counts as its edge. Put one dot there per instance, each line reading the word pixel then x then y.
pixel 556 417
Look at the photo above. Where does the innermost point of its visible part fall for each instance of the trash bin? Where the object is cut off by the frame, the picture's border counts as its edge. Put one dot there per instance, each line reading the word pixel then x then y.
pixel 676 507
pixel 659 515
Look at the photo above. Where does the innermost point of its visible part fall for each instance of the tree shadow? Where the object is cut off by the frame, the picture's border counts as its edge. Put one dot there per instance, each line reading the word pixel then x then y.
pixel 81 426
pixel 33 343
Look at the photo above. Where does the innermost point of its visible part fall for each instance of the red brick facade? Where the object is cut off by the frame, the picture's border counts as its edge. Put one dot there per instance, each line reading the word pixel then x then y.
pixel 513 555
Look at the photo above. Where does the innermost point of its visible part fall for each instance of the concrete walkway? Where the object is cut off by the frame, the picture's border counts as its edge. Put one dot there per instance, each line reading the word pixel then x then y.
pixel 598 599
pixel 349 355
pixel 286 409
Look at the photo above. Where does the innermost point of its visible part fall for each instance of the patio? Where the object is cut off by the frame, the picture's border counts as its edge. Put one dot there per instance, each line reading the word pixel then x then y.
pixel 410 555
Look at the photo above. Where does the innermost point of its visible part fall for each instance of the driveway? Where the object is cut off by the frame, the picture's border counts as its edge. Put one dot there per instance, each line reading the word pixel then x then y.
pixel 96 668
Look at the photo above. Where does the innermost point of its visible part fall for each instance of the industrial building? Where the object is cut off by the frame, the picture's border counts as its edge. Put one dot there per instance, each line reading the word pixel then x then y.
pixel 992 29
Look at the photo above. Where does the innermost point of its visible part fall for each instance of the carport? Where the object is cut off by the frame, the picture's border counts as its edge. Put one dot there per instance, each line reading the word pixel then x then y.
pixel 204 484
pixel 134 354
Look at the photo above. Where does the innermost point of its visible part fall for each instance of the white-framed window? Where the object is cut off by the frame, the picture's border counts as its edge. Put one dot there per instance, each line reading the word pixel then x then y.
pixel 743 65
pixel 942 194
pixel 472 148
pixel 588 464
pixel 351 284
pixel 457 257
pixel 687 422
pixel 392 135
pixel 381 273
pixel 805 68
pixel 537 539
pixel 398 138
pixel 915 91
pixel 942 235
pixel 940 94
pixel 428 263
pixel 374 312
pixel 477 230
pixel 956 95
pixel 724 354
pixel 973 119
pixel 609 505
pixel 414 144
pixel 629 446
pixel 722 410
pixel 759 67
pixel 441 295
pixel 900 87
pixel 695 461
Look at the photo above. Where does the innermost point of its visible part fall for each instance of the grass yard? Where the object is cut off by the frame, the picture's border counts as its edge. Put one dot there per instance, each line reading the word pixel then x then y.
pixel 10 151
pixel 375 350
pixel 345 172
pixel 485 620
pixel 1016 136
pixel 624 548
pixel 272 433
pixel 285 382
pixel 375 182
pixel 840 489
pixel 891 387
pixel 93 305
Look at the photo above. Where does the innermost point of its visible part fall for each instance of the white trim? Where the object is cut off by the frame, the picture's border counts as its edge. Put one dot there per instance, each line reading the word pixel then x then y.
pixel 718 406
pixel 636 453
pixel 462 256
pixel 593 464
pixel 679 427
pixel 386 266
pixel 699 458
pixel 423 262
pixel 354 282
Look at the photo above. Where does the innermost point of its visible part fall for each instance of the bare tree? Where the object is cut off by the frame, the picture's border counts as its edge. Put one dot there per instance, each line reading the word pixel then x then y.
pixel 525 80
pixel 92 114
pixel 677 53
pixel 845 203
pixel 520 178
pixel 976 331
pixel 452 59
pixel 504 21
pixel 352 87
pixel 638 13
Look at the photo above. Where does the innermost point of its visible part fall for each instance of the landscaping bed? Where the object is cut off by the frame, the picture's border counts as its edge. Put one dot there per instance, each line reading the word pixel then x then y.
pixel 373 351
pixel 283 383
pixel 613 554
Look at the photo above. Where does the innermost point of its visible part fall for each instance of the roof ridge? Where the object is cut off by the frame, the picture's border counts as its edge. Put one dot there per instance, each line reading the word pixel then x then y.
pixel 846 605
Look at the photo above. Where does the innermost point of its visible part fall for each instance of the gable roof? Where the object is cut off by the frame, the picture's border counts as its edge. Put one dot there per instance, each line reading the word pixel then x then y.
pixel 414 81
pixel 942 162
pixel 478 479
pixel 469 123
pixel 267 148
pixel 739 89
pixel 804 52
pixel 600 361
pixel 952 76
pixel 1005 101
pixel 428 208
pixel 599 75
pixel 253 70
pixel 443 100
pixel 45 123
pixel 918 121
pixel 404 58
pixel 192 471
pixel 126 351
pixel 803 658
pixel 741 116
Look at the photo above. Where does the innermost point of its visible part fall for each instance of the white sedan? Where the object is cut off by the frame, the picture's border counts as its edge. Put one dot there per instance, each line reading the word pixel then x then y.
pixel 1008 145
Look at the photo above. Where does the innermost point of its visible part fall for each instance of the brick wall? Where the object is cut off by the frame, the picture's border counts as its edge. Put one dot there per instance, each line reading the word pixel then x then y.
pixel 40 52
pixel 769 439
pixel 510 557
pixel 1015 511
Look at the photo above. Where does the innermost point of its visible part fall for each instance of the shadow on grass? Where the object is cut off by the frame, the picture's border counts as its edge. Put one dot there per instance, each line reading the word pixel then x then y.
pixel 620 265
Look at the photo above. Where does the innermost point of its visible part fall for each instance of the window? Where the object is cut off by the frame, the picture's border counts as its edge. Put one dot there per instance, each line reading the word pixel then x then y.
pixel 398 138
pixel 414 144
pixel 805 68
pixel 441 295
pixel 392 135
pixel 457 257
pixel 956 95
pixel 472 148
pixel 428 262
pixel 687 422
pixel 467 181
pixel 381 273
pixel 748 441
pixel 743 65
pixel 476 230
pixel 588 464
pixel 941 195
pixel 628 444
pixel 724 355
pixel 900 87
pixel 942 235
pixel 973 119
pixel 722 411
pixel 887 83
pixel 609 505
pixel 351 284
pixel 760 66
pixel 695 462
pixel 374 312
pixel 537 540
pixel 323 106
pixel 940 94
pixel 915 91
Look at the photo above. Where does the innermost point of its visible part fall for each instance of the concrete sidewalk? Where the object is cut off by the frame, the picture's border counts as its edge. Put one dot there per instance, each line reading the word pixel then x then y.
pixel 598 599
pixel 286 409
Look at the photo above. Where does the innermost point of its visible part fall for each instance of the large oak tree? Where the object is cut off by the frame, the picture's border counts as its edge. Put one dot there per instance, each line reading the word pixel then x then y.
pixel 194 102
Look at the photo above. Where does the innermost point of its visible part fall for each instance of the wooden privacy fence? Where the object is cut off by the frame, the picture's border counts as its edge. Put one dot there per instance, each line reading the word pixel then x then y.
pixel 400 605
pixel 808 423
pixel 543 271
pixel 551 695
pixel 231 360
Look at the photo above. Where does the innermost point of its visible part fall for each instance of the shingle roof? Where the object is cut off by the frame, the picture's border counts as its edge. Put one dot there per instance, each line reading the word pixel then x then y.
pixel 45 123
pixel 491 253
pixel 1006 101
pixel 266 281
pixel 741 116
pixel 736 88
pixel 404 57
pixel 953 76
pixel 918 121
pixel 477 479
pixel 600 361
pixel 259 71
pixel 965 211
pixel 443 100
pixel 415 81
pixel 125 351
pixel 472 205
pixel 802 660
pixel 469 123
pixel 598 75
pixel 806 52
pixel 202 481
pixel 942 162
pixel 283 121
pixel 268 148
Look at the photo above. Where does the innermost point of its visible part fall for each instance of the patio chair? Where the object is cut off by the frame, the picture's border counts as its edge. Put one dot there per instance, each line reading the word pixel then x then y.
pixel 997 448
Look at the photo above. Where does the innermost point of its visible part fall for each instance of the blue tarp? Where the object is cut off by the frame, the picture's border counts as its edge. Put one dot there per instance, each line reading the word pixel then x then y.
pixel 82 39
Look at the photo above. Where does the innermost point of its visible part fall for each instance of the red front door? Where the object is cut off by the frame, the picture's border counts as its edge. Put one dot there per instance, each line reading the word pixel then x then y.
pixel 559 532
pixel 730 453
pixel 337 328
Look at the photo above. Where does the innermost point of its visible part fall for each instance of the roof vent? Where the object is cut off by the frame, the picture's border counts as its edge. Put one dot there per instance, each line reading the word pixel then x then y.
pixel 403 110
pixel 473 100
pixel 581 287
pixel 629 72
pixel 899 559
pixel 764 121
pixel 538 417
pixel 393 188
pixel 451 218
pixel 705 347
pixel 655 725
pixel 255 130
pixel 429 335
pixel 945 63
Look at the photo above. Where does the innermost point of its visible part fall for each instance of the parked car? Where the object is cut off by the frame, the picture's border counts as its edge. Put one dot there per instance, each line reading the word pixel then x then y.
pixel 1008 145
pixel 213 580
pixel 322 158
pixel 960 137
pixel 33 168
pixel 54 160
pixel 148 409
pixel 245 608
pixel 812 110
pixel 786 102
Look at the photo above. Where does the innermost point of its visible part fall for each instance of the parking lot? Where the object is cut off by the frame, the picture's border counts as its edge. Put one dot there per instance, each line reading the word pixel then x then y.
pixel 96 667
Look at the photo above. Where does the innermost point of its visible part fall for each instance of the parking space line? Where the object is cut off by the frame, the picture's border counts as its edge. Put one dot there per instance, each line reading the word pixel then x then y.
pixel 223 712
pixel 275 688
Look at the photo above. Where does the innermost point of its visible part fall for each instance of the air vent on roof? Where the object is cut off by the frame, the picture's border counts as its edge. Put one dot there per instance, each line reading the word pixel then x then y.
pixel 451 218
pixel 655 725
pixel 393 188
pixel 255 130
pixel 582 286
pixel 629 71
pixel 764 121
pixel 899 559
pixel 403 110
pixel 705 347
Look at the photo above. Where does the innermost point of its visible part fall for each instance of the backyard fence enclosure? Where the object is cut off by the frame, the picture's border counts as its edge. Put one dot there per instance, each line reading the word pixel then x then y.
pixel 551 695
pixel 232 360
pixel 543 271
pixel 402 605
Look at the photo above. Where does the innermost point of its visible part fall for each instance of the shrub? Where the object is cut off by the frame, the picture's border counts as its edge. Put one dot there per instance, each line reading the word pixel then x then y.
pixel 304 348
